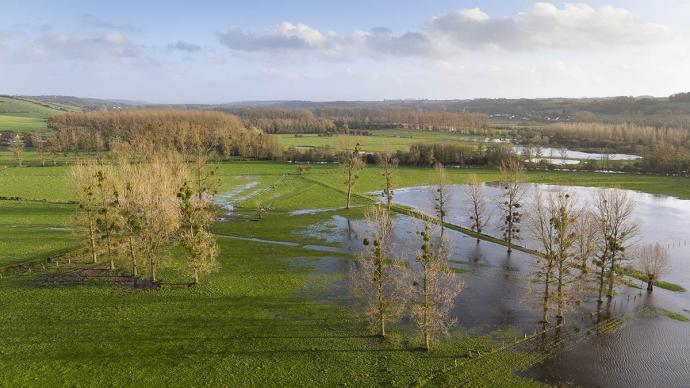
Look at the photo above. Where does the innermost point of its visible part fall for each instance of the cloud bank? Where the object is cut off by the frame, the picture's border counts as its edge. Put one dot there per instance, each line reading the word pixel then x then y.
pixel 543 26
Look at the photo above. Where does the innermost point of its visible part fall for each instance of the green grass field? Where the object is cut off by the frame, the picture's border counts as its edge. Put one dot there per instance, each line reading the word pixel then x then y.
pixel 34 230
pixel 270 317
pixel 25 115
pixel 378 140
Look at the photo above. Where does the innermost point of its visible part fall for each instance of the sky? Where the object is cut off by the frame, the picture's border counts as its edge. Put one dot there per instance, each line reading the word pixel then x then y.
pixel 222 51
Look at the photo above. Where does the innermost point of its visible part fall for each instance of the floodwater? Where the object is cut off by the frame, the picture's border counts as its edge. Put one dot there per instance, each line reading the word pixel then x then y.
pixel 555 153
pixel 647 350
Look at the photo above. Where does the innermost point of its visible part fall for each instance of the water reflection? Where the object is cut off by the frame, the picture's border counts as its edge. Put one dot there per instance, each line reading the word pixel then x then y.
pixel 498 293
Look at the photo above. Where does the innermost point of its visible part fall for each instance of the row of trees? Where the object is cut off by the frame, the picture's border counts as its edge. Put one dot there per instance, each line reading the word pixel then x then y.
pixel 320 120
pixel 576 244
pixel 150 130
pixel 134 211
pixel 620 137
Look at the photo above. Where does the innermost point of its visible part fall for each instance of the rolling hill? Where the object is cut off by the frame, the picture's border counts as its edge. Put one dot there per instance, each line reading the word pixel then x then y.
pixel 20 114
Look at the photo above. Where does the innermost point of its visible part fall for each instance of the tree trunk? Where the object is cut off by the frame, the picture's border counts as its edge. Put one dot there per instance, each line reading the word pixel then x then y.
pixel 547 282
pixel 601 284
pixel 133 257
pixel 349 195
pixel 650 284
pixel 559 313
pixel 153 270
pixel 611 275
pixel 601 276
pixel 426 309
pixel 196 276
pixel 92 240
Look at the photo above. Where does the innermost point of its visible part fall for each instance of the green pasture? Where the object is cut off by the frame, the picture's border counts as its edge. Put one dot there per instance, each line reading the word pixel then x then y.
pixel 378 139
pixel 34 230
pixel 272 316
pixel 18 114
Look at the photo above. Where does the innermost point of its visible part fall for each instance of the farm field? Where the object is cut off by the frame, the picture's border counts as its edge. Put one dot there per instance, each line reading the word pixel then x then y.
pixel 378 140
pixel 269 317
pixel 26 115
pixel 275 314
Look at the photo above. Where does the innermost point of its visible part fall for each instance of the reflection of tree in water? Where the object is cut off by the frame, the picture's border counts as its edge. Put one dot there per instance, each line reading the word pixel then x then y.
pixel 476 254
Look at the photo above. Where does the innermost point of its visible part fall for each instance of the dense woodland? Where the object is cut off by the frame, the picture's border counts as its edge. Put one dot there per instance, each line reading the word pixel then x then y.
pixel 320 120
pixel 181 130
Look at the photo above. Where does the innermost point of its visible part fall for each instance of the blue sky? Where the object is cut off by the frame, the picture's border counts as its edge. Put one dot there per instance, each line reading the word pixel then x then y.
pixel 216 51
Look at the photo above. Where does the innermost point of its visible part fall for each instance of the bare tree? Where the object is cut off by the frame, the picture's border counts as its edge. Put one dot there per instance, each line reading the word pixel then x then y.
pixel 441 195
pixel 563 153
pixel 436 288
pixel 388 164
pixel 586 239
pixel 83 178
pixel 197 215
pixel 206 181
pixel 106 222
pixel 350 164
pixel 652 260
pixel 17 148
pixel 375 276
pixel 147 208
pixel 39 144
pixel 614 216
pixel 543 231
pixel 511 203
pixel 563 217
pixel 160 181
pixel 477 209
pixel 130 213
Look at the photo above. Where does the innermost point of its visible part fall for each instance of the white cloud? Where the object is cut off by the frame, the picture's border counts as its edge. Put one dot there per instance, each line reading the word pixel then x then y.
pixel 545 26
pixel 382 41
pixel 58 45
pixel 284 37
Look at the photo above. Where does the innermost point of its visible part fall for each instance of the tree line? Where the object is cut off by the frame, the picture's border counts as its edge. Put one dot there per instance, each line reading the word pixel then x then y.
pixel 324 119
pixel 151 130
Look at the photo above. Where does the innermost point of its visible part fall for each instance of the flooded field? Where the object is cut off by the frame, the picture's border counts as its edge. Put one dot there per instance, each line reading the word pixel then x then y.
pixel 498 292
pixel 556 153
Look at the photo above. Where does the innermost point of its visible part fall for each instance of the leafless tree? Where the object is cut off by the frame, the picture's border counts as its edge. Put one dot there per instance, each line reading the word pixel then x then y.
pixel 436 287
pixel 388 164
pixel 350 164
pixel 511 201
pixel 615 221
pixel 376 277
pixel 17 148
pixel 652 260
pixel 441 195
pixel 587 239
pixel 106 222
pixel 563 153
pixel 39 143
pixel 477 209
pixel 197 215
pixel 553 226
pixel 83 179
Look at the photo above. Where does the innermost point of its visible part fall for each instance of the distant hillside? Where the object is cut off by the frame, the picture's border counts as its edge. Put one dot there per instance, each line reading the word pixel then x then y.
pixel 21 114
pixel 657 111
pixel 89 103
